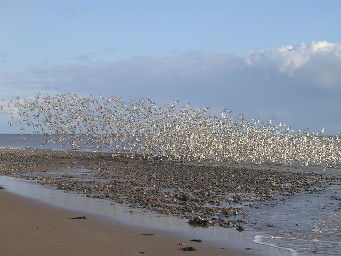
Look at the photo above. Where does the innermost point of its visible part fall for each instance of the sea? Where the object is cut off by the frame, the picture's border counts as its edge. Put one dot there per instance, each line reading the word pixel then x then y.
pixel 305 225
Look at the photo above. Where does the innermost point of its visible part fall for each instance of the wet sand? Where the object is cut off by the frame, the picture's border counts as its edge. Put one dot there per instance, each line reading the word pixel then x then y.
pixel 28 227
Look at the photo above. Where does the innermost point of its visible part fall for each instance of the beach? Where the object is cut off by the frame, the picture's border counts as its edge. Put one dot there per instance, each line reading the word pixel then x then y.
pixel 29 227
pixel 202 195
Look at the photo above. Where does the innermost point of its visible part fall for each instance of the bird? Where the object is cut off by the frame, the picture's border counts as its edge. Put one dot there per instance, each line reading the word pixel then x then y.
pixel 168 131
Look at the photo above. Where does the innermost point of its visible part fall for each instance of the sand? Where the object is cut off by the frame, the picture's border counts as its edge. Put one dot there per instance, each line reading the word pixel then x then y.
pixel 31 228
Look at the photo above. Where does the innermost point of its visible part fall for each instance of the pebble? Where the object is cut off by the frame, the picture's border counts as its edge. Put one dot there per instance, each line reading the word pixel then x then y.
pixel 188 249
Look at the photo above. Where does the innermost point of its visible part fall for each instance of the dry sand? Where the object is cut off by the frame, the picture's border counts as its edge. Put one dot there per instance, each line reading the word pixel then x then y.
pixel 31 228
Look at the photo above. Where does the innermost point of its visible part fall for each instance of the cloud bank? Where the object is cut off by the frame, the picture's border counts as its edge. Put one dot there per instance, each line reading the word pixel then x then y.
pixel 316 63
pixel 298 84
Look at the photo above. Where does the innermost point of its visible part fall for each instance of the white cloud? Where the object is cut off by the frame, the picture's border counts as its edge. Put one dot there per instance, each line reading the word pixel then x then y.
pixel 323 46
pixel 316 62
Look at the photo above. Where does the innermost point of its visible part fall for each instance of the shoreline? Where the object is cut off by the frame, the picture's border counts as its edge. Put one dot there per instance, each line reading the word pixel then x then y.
pixel 215 194
pixel 202 195
pixel 29 227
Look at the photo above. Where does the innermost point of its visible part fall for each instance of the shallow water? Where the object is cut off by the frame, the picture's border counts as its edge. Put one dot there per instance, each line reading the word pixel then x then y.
pixel 28 141
pixel 37 141
pixel 307 224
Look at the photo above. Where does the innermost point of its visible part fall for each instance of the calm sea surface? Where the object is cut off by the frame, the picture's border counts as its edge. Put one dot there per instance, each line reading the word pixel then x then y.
pixel 306 224
pixel 27 141
pixel 36 141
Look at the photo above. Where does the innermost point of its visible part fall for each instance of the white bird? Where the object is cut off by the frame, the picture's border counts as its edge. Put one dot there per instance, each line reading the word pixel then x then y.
pixel 170 131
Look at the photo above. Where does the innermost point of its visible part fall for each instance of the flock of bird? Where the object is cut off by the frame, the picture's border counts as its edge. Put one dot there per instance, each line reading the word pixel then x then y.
pixel 169 131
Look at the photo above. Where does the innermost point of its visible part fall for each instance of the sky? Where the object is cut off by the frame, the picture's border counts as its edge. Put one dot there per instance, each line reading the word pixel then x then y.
pixel 276 59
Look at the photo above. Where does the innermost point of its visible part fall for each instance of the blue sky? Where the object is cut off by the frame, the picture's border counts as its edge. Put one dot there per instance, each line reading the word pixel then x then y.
pixel 262 58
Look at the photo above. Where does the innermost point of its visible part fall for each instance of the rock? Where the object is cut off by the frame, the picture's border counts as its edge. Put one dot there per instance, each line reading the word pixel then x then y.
pixel 199 221
pixel 196 240
pixel 231 211
pixel 78 218
pixel 188 249
pixel 240 228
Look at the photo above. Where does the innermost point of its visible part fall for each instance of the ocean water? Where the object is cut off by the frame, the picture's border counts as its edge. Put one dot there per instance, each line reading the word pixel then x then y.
pixel 29 141
pixel 307 224
pixel 38 141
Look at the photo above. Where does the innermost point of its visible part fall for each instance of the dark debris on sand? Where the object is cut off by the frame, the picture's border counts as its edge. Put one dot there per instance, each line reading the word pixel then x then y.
pixel 189 249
